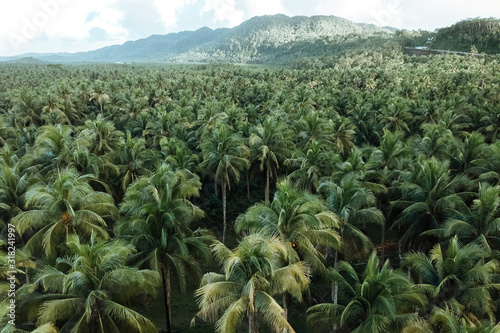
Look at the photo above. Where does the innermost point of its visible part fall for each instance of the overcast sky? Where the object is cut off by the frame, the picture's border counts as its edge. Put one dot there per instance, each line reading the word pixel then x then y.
pixel 74 25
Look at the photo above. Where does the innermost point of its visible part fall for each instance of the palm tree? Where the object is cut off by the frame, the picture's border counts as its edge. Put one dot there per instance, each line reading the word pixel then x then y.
pixel 481 221
pixel 28 108
pixel 355 206
pixel 343 134
pixel 430 197
pixel 99 97
pixel 53 144
pixel 133 160
pixel 53 111
pixel 102 134
pixel 66 205
pixel 14 182
pixel 158 217
pixel 375 301
pixel 272 143
pixel 469 157
pixel 93 295
pixel 302 222
pixel 224 156
pixel 395 116
pixel 312 165
pixel 253 273
pixel 447 320
pixel 459 276
pixel 391 150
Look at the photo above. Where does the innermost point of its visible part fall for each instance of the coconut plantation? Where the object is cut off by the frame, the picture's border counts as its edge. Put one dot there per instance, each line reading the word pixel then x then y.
pixel 290 174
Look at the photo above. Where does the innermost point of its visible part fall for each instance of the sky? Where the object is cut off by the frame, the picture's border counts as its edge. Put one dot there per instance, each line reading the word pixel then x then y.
pixel 47 26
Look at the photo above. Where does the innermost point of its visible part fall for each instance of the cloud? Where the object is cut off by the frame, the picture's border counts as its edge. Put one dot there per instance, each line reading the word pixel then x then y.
pixel 68 25
pixel 378 12
pixel 168 10
pixel 264 7
pixel 58 20
pixel 224 11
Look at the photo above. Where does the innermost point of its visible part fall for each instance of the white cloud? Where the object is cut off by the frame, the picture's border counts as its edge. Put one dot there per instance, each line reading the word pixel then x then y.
pixel 39 25
pixel 379 12
pixel 65 25
pixel 264 7
pixel 168 10
pixel 224 11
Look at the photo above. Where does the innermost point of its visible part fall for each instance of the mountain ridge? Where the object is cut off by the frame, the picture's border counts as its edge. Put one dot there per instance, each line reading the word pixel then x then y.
pixel 254 40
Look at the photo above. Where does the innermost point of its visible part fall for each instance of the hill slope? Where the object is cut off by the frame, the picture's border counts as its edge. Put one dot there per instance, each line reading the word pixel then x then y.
pixel 260 39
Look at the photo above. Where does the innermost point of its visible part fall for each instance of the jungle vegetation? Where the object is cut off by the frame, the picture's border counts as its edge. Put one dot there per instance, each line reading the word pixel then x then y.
pixel 354 193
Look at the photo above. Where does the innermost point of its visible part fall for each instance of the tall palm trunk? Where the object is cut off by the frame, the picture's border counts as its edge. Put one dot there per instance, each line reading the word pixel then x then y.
pixel 267 184
pixel 286 301
pixel 224 211
pixel 253 327
pixel 165 272
pixel 335 289
pixel 382 251
pixel 248 187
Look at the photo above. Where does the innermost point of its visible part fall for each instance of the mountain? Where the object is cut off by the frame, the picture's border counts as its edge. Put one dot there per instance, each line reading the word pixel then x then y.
pixel 260 39
pixel 28 60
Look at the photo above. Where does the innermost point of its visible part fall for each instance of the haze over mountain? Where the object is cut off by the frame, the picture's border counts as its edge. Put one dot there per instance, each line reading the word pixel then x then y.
pixel 255 40
pixel 279 39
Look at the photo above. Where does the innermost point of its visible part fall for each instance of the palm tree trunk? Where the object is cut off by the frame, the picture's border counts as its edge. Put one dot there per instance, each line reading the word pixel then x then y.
pixel 165 272
pixel 335 290
pixel 267 184
pixel 286 301
pixel 335 285
pixel 382 252
pixel 248 187
pixel 252 322
pixel 224 211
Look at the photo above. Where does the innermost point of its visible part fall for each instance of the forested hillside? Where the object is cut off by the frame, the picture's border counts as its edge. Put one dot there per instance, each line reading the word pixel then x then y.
pixel 355 193
pixel 482 33
pixel 264 39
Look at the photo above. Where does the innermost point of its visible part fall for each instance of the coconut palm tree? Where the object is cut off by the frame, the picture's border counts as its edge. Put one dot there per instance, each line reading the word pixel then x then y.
pixel 355 206
pixel 457 276
pixel 430 197
pixel 103 135
pixel 447 321
pixel 302 221
pixel 133 160
pixel 158 214
pixel 254 272
pixel 271 142
pixel 65 205
pixel 224 157
pixel 378 300
pixel 311 165
pixel 95 293
pixel 481 221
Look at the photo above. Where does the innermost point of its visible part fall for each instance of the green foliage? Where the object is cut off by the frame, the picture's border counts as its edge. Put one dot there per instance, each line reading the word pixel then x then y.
pixel 375 301
pixel 386 152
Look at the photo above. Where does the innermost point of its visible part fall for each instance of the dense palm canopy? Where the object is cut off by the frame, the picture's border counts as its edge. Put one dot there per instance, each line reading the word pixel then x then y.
pixel 158 220
pixel 430 197
pixel 253 273
pixel 300 219
pixel 224 156
pixel 377 300
pixel 457 276
pixel 94 293
pixel 66 205
pixel 386 151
